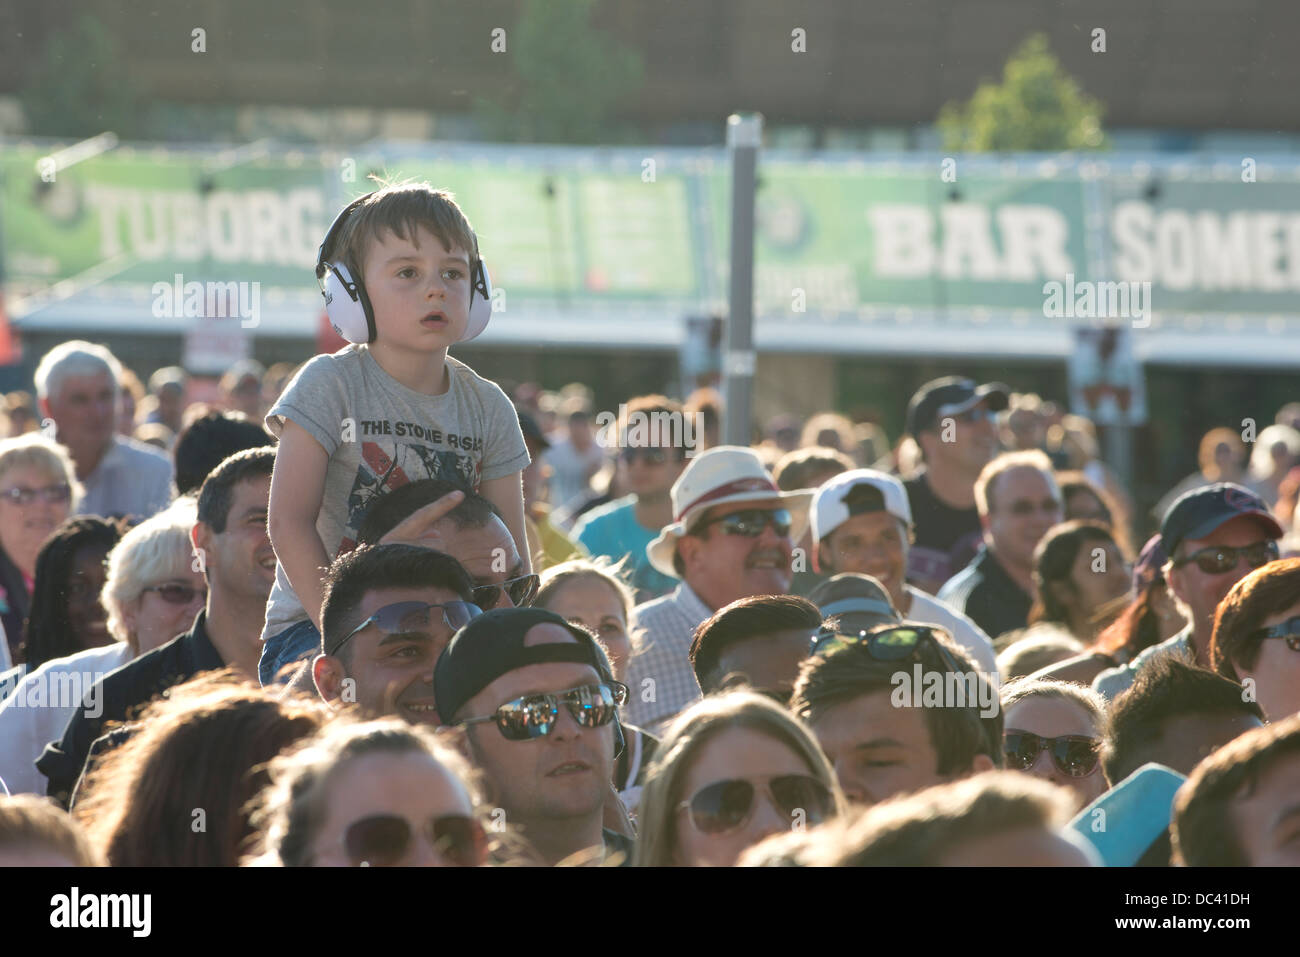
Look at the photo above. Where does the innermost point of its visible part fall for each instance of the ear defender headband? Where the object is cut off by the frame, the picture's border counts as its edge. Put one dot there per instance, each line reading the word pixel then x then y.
pixel 348 307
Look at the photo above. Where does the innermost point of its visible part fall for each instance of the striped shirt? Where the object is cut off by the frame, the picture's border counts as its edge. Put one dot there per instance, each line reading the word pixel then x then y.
pixel 660 677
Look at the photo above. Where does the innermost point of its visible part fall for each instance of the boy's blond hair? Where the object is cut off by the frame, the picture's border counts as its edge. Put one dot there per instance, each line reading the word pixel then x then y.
pixel 401 208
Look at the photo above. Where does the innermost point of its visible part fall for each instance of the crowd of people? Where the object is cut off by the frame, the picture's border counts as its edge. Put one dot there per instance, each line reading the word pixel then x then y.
pixel 380 610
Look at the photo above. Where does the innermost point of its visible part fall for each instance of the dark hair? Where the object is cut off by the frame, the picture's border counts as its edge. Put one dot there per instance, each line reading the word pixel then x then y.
pixel 1165 688
pixel 1073 483
pixel 1137 627
pixel 208 441
pixel 369 567
pixel 1273 588
pixel 390 509
pixel 746 618
pixel 1203 834
pixel 1053 561
pixel 49 632
pixel 218 490
pixel 794 468
pixel 957 734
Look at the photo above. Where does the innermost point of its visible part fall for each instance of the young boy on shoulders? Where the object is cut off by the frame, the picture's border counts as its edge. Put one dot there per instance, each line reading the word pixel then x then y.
pixel 403 281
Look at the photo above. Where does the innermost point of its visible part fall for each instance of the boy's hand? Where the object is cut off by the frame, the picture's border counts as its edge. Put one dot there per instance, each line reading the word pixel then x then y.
pixel 418 527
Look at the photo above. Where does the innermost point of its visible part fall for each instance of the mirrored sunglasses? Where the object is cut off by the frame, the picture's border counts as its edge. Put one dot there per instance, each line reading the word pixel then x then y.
pixel 728 805
pixel 751 522
pixel 1073 754
pixel 535 716
pixel 521 590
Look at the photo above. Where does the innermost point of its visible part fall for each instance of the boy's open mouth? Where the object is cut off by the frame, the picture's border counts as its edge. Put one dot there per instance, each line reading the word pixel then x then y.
pixel 434 319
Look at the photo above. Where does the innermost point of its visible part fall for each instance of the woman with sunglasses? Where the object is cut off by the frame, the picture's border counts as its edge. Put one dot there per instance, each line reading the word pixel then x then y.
pixel 38 487
pixel 732 770
pixel 1053 731
pixel 1257 636
pixel 150 594
pixel 372 794
pixel 590 593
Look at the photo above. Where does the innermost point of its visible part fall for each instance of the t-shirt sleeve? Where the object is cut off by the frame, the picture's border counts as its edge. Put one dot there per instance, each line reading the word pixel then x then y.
pixel 314 400
pixel 504 451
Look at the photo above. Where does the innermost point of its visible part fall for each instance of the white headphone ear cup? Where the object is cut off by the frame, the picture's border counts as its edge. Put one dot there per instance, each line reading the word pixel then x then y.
pixel 346 313
pixel 480 307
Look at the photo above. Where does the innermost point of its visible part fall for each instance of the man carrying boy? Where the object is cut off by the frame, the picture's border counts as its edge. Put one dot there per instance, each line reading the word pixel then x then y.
pixel 392 408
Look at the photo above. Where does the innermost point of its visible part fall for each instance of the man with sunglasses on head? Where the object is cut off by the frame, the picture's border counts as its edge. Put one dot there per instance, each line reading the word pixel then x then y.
pixel 1018 501
pixel 389 612
pixel 879 743
pixel 648 466
pixel 732 537
pixel 953 420
pixel 1214 536
pixel 233 551
pixel 540 712
pixel 437 514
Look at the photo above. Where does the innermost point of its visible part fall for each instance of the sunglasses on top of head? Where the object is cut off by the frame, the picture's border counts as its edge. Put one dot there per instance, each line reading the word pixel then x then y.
pixel 416 618
pixel 751 522
pixel 521 590
pixel 895 643
pixel 535 716
pixel 385 840
pixel 1220 559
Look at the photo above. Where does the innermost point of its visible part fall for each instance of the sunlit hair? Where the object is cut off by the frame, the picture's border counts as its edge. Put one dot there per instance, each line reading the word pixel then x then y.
pixel 29 823
pixel 601 569
pixel 70 360
pixel 290 812
pixel 1261 457
pixel 199 750
pixel 681 745
pixel 1009 462
pixel 1090 702
pixel 1265 592
pixel 401 208
pixel 35 451
pixel 157 550
pixel 827 425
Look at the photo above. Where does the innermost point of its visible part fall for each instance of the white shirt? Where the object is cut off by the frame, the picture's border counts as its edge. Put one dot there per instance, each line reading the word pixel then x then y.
pixel 928 610
pixel 41 706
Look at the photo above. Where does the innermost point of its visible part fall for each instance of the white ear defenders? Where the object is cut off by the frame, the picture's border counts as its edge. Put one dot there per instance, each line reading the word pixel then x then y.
pixel 348 306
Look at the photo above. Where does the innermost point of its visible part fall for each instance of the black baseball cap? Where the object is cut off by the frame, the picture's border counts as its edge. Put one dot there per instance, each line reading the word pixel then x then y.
pixel 1199 512
pixel 493 645
pixel 951 395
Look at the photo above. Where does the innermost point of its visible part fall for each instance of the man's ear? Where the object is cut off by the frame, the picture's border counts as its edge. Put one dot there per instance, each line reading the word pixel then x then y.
pixel 201 535
pixel 328 674
pixel 687 546
pixel 821 559
pixel 44 406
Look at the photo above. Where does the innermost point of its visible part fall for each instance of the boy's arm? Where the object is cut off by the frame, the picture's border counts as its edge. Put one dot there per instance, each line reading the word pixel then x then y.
pixel 297 487
pixel 507 494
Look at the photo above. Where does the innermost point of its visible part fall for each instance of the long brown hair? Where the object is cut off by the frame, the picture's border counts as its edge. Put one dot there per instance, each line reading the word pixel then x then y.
pixel 175 793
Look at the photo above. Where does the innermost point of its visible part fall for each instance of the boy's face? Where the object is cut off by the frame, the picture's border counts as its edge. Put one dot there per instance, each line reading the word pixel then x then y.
pixel 419 290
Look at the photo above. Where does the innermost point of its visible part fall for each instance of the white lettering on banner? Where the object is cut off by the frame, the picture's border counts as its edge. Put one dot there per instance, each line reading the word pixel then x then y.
pixel 247 226
pixel 965 246
pixel 1243 251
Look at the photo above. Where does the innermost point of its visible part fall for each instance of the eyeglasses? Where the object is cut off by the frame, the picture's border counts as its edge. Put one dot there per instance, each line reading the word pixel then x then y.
pixel 889 644
pixel 521 591
pixel 175 594
pixel 1219 559
pixel 412 617
pixel 1289 631
pixel 1073 754
pixel 50 494
pixel 751 522
pixel 728 805
pixel 651 456
pixel 535 716
pixel 384 840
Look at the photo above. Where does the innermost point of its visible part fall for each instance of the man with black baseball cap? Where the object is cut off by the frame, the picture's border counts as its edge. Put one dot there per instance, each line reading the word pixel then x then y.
pixel 540 711
pixel 954 421
pixel 1214 536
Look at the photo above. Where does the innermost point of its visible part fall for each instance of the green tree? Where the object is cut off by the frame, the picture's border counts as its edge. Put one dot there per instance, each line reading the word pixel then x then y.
pixel 80 87
pixel 567 76
pixel 1037 106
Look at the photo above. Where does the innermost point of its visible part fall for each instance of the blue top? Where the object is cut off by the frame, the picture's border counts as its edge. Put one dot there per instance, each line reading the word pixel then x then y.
pixel 613 530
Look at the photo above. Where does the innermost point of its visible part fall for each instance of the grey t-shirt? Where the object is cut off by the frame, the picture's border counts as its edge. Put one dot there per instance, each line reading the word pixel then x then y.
pixel 381 435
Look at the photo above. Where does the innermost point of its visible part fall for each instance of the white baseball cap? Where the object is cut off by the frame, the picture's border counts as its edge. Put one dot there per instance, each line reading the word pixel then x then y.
pixel 722 476
pixel 834 502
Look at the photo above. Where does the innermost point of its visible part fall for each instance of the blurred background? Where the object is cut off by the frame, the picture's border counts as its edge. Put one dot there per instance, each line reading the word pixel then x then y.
pixel 926 168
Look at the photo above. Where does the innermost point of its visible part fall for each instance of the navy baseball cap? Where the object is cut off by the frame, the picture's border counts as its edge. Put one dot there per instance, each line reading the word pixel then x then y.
pixel 493 645
pixel 952 395
pixel 1199 512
